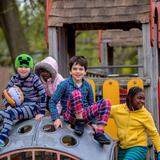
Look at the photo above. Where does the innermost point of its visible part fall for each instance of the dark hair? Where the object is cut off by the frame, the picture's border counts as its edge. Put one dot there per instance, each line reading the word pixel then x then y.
pixel 81 60
pixel 131 93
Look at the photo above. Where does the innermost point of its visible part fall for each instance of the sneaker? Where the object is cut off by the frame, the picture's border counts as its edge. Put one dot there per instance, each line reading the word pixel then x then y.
pixel 101 138
pixel 79 127
pixel 2 144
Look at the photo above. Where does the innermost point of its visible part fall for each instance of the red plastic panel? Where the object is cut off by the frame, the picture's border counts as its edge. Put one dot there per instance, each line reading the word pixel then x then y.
pixel 48 8
pixel 158 24
pixel 152 13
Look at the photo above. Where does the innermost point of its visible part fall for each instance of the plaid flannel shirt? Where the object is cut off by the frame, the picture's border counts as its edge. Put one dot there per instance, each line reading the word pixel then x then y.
pixel 63 92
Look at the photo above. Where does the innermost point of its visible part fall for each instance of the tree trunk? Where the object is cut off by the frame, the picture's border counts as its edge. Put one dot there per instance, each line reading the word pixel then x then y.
pixel 10 23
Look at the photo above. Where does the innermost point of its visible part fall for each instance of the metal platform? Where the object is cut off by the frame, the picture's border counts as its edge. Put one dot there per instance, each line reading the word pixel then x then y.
pixel 32 135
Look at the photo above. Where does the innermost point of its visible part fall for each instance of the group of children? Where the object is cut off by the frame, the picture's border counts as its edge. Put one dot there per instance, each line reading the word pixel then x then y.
pixel 73 100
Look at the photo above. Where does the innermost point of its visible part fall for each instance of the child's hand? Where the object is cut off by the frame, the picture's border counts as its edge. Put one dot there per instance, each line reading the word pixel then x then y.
pixel 49 80
pixel 58 123
pixel 94 126
pixel 39 117
pixel 9 107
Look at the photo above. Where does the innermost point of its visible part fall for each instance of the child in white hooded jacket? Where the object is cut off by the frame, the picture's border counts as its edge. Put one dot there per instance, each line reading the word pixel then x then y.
pixel 47 70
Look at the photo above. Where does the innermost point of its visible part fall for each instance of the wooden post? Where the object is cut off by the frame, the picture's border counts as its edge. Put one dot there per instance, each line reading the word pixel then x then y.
pixel 155 78
pixel 53 47
pixel 151 71
pixel 63 52
pixel 71 41
pixel 140 61
pixel 58 48
pixel 104 56
pixel 110 58
pixel 147 64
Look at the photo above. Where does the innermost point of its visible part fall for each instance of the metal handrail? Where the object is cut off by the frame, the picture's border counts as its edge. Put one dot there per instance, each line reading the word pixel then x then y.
pixel 115 66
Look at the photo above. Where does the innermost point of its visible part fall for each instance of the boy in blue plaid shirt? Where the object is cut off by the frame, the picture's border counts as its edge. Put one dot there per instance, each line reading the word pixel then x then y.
pixel 78 107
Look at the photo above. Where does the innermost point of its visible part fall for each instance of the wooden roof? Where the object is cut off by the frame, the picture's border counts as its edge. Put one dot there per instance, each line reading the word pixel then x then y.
pixel 98 11
pixel 122 38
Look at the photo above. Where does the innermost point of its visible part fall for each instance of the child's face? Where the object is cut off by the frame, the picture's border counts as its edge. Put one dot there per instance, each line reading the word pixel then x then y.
pixel 45 74
pixel 138 100
pixel 23 71
pixel 78 72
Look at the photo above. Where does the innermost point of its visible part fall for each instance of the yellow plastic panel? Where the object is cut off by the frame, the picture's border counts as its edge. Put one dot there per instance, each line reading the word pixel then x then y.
pixel 91 82
pixel 111 92
pixel 111 128
pixel 135 82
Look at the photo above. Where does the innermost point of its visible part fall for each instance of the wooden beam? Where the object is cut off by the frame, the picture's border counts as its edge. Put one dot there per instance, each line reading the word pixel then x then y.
pixel 119 37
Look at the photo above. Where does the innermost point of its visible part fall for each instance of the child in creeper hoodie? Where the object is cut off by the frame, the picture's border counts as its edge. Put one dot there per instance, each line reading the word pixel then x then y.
pixel 47 70
pixel 76 97
pixel 34 96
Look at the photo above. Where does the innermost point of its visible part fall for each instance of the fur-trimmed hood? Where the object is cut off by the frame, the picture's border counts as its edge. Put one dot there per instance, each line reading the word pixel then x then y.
pixel 48 64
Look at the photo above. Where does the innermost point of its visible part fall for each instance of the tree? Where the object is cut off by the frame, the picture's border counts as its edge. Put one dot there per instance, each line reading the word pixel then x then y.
pixel 11 26
pixel 23 26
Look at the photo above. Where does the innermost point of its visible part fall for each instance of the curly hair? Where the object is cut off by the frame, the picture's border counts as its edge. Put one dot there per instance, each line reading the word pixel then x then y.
pixel 132 92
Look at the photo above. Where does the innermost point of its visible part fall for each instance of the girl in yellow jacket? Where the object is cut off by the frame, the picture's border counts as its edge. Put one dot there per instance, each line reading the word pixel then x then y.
pixel 133 123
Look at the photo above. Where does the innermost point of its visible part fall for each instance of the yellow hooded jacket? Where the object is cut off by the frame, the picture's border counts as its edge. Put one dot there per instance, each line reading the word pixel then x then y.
pixel 133 127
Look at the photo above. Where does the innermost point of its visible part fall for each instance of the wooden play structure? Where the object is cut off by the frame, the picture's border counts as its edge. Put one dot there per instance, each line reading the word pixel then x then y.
pixel 120 23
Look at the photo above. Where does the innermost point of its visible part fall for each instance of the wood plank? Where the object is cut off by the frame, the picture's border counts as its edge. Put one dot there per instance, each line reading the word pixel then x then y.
pixel 119 37
pixel 122 81
pixel 105 11
pixel 94 3
pixel 60 21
